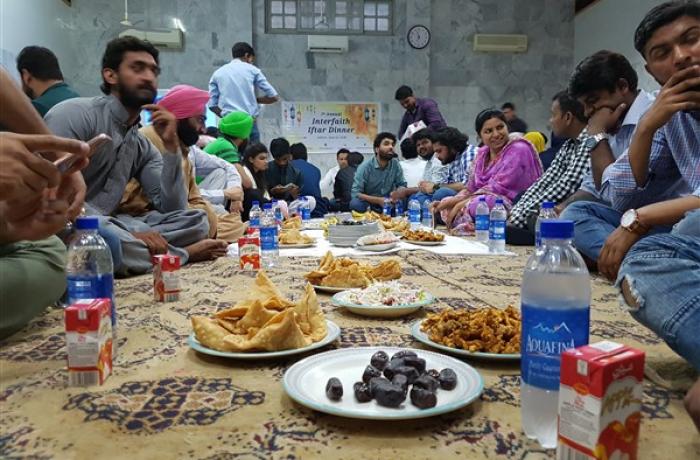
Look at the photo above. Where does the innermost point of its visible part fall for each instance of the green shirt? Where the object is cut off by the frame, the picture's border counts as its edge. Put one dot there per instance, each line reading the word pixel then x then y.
pixel 373 180
pixel 224 149
pixel 52 96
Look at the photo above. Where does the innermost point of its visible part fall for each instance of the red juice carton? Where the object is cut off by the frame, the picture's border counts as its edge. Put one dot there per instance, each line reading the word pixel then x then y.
pixel 166 278
pixel 89 341
pixel 600 398
pixel 249 251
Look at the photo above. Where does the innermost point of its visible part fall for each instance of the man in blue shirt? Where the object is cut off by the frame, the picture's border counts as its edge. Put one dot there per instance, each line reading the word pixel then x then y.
pixel 377 178
pixel 312 178
pixel 233 87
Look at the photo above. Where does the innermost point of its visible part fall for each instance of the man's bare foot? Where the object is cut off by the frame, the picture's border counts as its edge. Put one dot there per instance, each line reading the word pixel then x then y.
pixel 206 250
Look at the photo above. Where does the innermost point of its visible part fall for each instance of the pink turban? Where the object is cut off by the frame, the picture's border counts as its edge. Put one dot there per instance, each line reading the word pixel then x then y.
pixel 185 101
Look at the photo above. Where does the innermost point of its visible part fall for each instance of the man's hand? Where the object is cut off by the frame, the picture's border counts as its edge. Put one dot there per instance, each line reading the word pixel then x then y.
pixel 236 206
pixel 692 403
pixel 46 220
pixel 397 195
pixel 278 191
pixel 456 209
pixel 679 93
pixel 426 187
pixel 73 190
pixel 605 119
pixel 154 240
pixel 234 193
pixel 165 125
pixel 23 173
pixel 294 191
pixel 614 250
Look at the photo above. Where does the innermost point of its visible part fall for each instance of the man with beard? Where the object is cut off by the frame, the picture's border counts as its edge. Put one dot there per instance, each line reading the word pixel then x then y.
pixel 434 171
pixel 42 79
pixel 187 103
pixel 130 75
pixel 377 178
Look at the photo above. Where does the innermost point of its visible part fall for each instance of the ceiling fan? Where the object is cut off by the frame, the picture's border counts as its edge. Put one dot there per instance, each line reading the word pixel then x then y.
pixel 125 21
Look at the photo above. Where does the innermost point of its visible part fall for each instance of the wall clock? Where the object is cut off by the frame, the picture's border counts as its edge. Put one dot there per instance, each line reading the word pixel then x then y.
pixel 418 37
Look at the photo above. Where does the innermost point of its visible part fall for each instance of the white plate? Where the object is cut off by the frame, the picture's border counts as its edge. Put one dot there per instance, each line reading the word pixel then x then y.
pixel 425 243
pixel 330 288
pixel 297 246
pixel 381 311
pixel 331 336
pixel 305 382
pixel 377 247
pixel 423 338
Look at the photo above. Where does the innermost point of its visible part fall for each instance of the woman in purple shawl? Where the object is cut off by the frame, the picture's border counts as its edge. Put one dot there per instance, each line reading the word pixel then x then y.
pixel 503 168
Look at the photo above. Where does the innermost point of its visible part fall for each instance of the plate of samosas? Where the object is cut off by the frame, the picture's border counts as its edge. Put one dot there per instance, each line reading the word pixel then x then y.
pixel 293 238
pixel 265 325
pixel 336 274
pixel 424 237
pixel 292 223
pixel 489 333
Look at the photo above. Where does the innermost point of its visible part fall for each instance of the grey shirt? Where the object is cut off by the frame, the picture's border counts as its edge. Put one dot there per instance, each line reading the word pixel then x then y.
pixel 128 155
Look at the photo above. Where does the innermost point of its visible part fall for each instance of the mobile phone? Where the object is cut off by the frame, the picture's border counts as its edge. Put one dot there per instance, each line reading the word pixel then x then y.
pixel 66 163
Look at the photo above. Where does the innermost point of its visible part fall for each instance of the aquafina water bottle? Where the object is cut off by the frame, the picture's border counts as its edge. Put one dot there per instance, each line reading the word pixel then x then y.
pixel 556 298
pixel 254 216
pixel 427 219
pixel 546 213
pixel 497 227
pixel 481 223
pixel 269 242
pixel 414 214
pixel 305 209
pixel 386 209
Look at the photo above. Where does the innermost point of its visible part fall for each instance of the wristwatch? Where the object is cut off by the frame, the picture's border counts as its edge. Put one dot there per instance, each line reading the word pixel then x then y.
pixel 630 222
pixel 593 140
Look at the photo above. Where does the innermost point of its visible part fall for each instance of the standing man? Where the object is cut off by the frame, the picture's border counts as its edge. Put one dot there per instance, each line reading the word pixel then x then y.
pixel 233 87
pixel 418 109
pixel 515 124
pixel 377 178
pixel 42 79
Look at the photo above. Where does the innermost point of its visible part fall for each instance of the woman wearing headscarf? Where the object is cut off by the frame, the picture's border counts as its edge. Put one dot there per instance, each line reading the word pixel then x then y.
pixel 503 168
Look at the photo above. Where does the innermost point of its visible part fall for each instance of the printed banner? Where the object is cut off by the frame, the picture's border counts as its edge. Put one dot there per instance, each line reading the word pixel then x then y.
pixel 326 127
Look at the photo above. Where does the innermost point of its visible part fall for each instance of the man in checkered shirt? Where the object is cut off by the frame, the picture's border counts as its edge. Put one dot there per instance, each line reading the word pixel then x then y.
pixel 564 176
pixel 453 149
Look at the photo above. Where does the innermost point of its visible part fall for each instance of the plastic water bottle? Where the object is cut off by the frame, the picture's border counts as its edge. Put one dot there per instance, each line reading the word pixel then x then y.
pixel 482 220
pixel 427 215
pixel 546 213
pixel 414 214
pixel 399 208
pixel 254 216
pixel 269 243
pixel 497 227
pixel 305 209
pixel 277 213
pixel 556 298
pixel 89 268
pixel 386 209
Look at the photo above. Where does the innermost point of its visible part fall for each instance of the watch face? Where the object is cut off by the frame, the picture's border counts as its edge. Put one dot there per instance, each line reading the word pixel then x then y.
pixel 628 218
pixel 418 37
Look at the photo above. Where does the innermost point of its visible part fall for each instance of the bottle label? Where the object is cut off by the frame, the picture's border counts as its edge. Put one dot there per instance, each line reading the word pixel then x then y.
pixel 268 235
pixel 254 222
pixel 482 223
pixel 305 213
pixel 538 239
pixel 414 216
pixel 497 230
pixel 92 287
pixel 387 210
pixel 546 333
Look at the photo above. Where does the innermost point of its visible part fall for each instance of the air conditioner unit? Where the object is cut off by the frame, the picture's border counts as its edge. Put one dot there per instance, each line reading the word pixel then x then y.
pixel 167 38
pixel 494 43
pixel 328 44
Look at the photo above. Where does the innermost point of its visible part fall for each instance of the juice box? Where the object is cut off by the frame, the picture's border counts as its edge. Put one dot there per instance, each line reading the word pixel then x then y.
pixel 89 341
pixel 600 398
pixel 249 251
pixel 166 279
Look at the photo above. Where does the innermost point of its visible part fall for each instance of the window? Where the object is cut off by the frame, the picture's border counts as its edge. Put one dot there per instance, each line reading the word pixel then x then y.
pixel 338 17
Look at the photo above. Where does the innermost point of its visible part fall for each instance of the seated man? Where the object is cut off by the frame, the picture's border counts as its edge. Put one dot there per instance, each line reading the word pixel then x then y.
pixel 32 259
pixel 412 165
pixel 187 103
pixel 434 172
pixel 312 178
pixel 606 84
pixel 418 109
pixel 42 79
pixel 129 73
pixel 342 193
pixel 328 179
pixel 657 182
pixel 562 179
pixel 377 178
pixel 234 130
pixel 452 149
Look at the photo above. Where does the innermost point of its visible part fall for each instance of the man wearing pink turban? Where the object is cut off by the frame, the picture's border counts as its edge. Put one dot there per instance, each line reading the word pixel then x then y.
pixel 222 183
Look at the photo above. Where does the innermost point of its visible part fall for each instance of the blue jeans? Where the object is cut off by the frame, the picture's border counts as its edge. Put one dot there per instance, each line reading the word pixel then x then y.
pixel 359 205
pixel 254 133
pixel 443 192
pixel 663 276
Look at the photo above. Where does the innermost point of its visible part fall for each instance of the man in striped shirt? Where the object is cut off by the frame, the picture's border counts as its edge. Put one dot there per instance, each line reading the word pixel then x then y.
pixel 563 177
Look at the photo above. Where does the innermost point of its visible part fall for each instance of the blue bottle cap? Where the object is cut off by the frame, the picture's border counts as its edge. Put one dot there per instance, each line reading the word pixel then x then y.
pixel 557 229
pixel 87 223
pixel 256 203
pixel 482 198
pixel 267 206
pixel 499 200
pixel 548 204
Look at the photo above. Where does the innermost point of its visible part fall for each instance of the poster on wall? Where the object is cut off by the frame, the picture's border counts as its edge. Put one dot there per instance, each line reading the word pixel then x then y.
pixel 325 127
